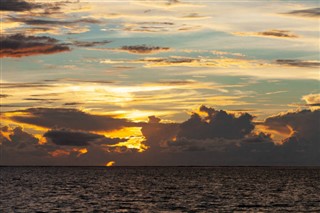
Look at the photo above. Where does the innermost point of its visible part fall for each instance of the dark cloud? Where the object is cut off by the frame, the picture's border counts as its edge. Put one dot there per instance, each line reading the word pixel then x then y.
pixel 143 49
pixel 4 95
pixel 23 85
pixel 19 45
pixel 170 61
pixel 216 124
pixel 298 63
pixel 65 137
pixel 278 33
pixel 70 119
pixel 90 43
pixel 20 137
pixel 156 23
pixel 304 124
pixel 182 82
pixel 208 137
pixel 157 133
pixel 315 104
pixel 269 33
pixel 303 144
pixel 154 119
pixel 71 103
pixel 312 12
pixel 42 99
pixel 54 22
pixel 17 5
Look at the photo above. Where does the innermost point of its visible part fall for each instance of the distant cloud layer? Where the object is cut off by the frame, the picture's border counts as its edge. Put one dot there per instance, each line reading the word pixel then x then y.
pixel 19 45
pixel 143 49
pixel 71 138
pixel 298 63
pixel 208 137
pixel 269 33
pixel 69 119
pixel 17 5
pixel 312 12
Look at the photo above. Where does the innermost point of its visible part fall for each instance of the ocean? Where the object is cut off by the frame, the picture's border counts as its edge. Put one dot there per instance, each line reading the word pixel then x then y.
pixel 159 189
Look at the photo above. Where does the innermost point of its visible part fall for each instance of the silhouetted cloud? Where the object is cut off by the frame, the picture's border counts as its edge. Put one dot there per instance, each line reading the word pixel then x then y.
pixel 69 119
pixel 208 137
pixel 298 63
pixel 311 12
pixel 64 137
pixel 42 99
pixel 157 134
pixel 17 5
pixel 304 123
pixel 216 124
pixel 24 85
pixel 71 103
pixel 54 22
pixel 4 95
pixel 143 49
pixel 90 43
pixel 17 137
pixel 19 45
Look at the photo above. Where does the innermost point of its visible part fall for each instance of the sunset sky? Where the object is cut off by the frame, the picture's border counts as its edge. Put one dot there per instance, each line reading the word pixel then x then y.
pixel 146 82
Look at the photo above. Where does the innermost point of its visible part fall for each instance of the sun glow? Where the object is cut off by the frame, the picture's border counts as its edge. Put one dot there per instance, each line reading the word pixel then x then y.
pixel 110 163
pixel 133 143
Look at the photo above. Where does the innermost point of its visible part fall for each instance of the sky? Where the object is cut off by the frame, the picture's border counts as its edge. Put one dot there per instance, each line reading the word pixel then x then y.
pixel 160 83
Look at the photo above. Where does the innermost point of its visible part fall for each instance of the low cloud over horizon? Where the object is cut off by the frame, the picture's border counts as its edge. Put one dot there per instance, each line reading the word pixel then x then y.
pixel 208 137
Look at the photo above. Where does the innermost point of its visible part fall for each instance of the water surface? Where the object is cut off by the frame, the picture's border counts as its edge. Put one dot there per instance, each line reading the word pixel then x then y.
pixel 159 189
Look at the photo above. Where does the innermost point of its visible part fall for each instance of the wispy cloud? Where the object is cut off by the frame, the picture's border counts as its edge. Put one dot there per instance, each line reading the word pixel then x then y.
pixel 298 63
pixel 310 13
pixel 269 33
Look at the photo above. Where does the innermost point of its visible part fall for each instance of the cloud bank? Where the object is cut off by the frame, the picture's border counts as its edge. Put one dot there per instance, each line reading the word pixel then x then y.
pixel 208 137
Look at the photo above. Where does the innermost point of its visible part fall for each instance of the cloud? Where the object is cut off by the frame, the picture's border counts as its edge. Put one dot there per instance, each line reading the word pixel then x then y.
pixel 311 13
pixel 71 103
pixel 303 143
pixel 19 45
pixel 143 49
pixel 298 63
pixel 67 118
pixel 24 85
pixel 54 22
pixel 42 99
pixel 216 124
pixel 157 133
pixel 64 137
pixel 194 16
pixel 158 27
pixel 198 62
pixel 17 137
pixel 208 137
pixel 304 123
pixel 4 95
pixel 53 26
pixel 312 99
pixel 17 5
pixel 90 43
pixel 269 33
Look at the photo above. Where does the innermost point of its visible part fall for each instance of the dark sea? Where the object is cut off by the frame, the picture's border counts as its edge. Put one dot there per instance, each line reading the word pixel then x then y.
pixel 159 189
